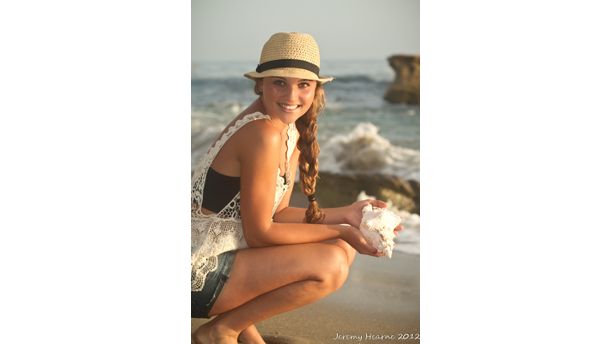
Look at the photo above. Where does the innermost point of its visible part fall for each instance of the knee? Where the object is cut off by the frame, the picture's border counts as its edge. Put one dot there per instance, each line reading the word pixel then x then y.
pixel 348 249
pixel 334 268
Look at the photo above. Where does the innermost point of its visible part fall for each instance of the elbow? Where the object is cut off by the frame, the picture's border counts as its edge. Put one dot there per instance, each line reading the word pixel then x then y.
pixel 257 237
pixel 254 242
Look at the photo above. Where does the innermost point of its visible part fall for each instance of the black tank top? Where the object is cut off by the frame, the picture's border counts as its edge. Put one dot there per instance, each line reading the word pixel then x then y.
pixel 219 190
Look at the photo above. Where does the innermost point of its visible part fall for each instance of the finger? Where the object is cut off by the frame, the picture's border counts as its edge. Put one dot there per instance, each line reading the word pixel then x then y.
pixel 370 252
pixel 378 203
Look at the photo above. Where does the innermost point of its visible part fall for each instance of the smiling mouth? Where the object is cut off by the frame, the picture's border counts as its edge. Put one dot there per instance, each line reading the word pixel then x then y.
pixel 288 107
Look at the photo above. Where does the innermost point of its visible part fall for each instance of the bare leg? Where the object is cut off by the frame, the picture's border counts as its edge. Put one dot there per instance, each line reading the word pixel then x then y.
pixel 272 280
pixel 350 251
pixel 250 335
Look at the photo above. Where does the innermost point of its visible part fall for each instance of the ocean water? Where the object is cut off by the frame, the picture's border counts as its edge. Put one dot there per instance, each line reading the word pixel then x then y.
pixel 358 131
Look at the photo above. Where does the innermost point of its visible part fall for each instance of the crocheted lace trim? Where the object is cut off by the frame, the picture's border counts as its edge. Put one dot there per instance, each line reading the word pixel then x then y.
pixel 213 234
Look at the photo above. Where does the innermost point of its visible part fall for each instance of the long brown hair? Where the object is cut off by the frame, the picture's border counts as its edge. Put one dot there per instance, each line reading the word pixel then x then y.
pixel 309 153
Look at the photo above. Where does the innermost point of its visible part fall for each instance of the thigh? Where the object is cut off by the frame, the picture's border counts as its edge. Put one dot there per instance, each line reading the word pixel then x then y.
pixel 257 271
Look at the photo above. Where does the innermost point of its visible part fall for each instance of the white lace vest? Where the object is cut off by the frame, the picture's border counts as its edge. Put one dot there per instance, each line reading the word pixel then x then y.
pixel 213 234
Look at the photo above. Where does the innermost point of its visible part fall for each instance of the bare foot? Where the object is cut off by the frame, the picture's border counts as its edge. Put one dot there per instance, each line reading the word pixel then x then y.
pixel 212 333
pixel 250 335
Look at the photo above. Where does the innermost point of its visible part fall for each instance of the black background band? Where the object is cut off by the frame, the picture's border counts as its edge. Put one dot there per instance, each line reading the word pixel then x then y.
pixel 287 63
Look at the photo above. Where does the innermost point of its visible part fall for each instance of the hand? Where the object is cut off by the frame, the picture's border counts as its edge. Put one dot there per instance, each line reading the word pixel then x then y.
pixel 398 229
pixel 355 238
pixel 354 214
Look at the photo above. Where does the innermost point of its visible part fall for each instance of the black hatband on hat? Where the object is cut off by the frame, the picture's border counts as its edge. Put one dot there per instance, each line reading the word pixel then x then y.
pixel 284 63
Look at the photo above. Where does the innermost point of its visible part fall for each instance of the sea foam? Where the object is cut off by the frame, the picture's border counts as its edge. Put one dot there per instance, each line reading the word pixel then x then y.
pixel 363 150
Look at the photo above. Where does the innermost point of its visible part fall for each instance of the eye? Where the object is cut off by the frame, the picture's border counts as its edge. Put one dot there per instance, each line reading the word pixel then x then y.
pixel 279 82
pixel 304 84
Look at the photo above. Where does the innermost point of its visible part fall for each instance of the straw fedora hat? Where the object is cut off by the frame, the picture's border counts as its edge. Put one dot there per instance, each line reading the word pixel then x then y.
pixel 290 54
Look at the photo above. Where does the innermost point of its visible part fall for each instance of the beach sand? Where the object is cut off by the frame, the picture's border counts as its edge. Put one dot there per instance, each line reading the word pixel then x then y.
pixel 380 298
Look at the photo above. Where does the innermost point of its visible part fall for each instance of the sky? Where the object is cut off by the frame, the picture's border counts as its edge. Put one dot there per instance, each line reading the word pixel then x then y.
pixel 344 29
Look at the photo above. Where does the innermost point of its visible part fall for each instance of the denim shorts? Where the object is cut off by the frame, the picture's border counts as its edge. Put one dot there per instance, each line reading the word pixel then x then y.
pixel 202 301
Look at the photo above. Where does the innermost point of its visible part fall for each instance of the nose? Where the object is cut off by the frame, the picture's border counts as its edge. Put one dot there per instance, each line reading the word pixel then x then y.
pixel 292 92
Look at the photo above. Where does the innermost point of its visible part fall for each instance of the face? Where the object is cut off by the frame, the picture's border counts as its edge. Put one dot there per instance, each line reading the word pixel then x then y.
pixel 287 99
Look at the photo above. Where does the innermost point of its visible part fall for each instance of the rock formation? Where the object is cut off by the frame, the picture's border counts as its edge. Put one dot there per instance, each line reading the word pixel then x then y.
pixel 335 190
pixel 406 86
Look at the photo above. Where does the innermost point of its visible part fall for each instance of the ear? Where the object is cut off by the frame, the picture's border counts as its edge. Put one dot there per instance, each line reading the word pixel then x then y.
pixel 258 86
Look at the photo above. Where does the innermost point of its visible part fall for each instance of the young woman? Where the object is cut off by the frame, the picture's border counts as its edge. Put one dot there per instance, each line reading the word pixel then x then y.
pixel 253 256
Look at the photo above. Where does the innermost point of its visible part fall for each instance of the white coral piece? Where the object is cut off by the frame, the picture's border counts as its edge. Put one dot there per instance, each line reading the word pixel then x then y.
pixel 377 226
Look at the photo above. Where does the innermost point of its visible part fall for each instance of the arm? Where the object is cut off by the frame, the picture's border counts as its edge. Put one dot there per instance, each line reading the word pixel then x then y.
pixel 286 214
pixel 259 161
pixel 350 214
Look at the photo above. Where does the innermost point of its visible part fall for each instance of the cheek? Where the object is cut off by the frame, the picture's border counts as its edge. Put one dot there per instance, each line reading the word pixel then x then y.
pixel 271 94
pixel 277 92
pixel 308 97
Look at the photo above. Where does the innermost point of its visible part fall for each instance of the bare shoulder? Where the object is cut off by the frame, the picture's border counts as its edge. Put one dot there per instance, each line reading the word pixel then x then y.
pixel 257 136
